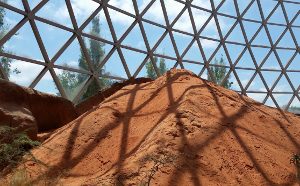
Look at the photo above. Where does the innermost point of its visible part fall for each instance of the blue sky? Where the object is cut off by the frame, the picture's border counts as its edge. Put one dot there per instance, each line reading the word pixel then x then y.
pixel 24 43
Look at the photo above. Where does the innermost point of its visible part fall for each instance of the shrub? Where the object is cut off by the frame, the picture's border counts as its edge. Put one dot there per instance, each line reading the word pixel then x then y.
pixel 13 145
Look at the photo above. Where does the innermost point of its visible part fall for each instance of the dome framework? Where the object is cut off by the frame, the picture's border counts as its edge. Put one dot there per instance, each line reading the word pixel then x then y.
pixel 169 24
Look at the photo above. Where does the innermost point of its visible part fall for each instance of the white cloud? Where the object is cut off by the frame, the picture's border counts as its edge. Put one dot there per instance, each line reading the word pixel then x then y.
pixel 208 43
pixel 256 96
pixel 28 72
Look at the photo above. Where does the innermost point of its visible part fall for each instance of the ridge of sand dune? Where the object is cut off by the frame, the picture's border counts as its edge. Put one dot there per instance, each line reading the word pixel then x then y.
pixel 176 130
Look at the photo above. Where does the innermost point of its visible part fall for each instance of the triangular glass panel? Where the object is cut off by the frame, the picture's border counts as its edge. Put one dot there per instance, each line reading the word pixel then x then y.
pixel 253 12
pixel 228 8
pixel 244 76
pixel 173 12
pixel 209 46
pixel 97 50
pixel 220 56
pixel 182 41
pixel 194 54
pixel 259 97
pixel 295 63
pixel 204 74
pixel 121 22
pixel 270 102
pixel 217 3
pixel 195 68
pixel 271 63
pixel 53 38
pixel 277 16
pixel 169 64
pixel 18 44
pixel 23 73
pixel 287 41
pixel 275 31
pixel 166 47
pixel 297 36
pixel 126 6
pixel 113 62
pixel 162 64
pixel 153 33
pixel 291 10
pixel 296 22
pixel 267 7
pixel 211 30
pixel 72 82
pixel 243 5
pixel 260 53
pixel 226 24
pixel 285 55
pixel 47 85
pixel 282 99
pixel 200 17
pixel 103 31
pixel 234 51
pixel 135 39
pixel 270 77
pixel 251 28
pixel 16 4
pixel 83 9
pixel 202 4
pixel 146 70
pixel 133 59
pixel 184 23
pixel 10 20
pixel 262 38
pixel 142 5
pixel 246 61
pixel 56 11
pixel 232 83
pixel 257 84
pixel 295 106
pixel 283 85
pixel 155 13
pixel 236 35
pixel 218 66
pixel 73 57
pixel 33 3
pixel 294 77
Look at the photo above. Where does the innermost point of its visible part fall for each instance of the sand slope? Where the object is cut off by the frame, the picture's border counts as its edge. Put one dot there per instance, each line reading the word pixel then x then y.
pixel 176 130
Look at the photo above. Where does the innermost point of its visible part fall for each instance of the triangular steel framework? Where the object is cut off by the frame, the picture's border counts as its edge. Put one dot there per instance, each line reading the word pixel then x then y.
pixel 30 16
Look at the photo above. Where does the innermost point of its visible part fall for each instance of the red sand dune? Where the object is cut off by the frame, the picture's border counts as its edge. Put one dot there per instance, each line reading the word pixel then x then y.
pixel 176 130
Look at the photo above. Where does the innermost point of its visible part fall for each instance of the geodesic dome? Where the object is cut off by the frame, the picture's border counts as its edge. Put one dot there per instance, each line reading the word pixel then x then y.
pixel 258 40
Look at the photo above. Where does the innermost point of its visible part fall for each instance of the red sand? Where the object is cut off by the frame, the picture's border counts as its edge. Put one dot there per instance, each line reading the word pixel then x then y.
pixel 176 130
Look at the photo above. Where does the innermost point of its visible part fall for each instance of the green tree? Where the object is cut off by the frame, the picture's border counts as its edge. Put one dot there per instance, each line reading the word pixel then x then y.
pixel 96 53
pixel 5 62
pixel 161 67
pixel 219 72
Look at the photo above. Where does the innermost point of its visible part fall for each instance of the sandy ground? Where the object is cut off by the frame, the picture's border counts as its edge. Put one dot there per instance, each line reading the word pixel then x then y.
pixel 176 130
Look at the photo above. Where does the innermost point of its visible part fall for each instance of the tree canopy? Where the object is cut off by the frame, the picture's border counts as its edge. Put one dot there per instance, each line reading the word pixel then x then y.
pixel 71 81
pixel 161 67
pixel 219 72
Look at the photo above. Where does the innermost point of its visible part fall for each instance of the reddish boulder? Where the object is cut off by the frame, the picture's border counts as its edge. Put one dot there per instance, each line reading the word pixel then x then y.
pixel 28 109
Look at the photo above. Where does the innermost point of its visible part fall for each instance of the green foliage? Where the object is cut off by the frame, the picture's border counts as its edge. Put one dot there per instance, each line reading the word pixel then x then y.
pixel 13 145
pixel 4 62
pixel 71 81
pixel 219 72
pixel 161 67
